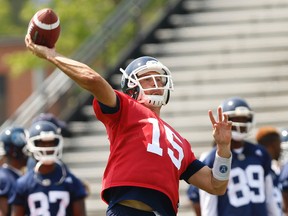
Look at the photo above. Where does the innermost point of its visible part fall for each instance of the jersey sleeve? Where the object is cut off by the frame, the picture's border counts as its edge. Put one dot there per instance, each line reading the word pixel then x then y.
pixel 193 193
pixel 5 185
pixel 194 167
pixel 271 202
pixel 267 160
pixel 208 202
pixel 81 191
pixel 20 197
pixel 108 115
pixel 283 178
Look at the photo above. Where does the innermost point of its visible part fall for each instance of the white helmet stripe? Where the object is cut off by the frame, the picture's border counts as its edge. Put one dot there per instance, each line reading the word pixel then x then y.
pixel 43 25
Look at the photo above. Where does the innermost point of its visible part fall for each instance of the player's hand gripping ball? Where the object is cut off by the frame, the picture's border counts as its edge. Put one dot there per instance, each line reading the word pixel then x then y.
pixel 44 28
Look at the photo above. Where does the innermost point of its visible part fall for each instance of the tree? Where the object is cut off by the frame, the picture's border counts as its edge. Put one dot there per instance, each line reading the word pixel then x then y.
pixel 78 20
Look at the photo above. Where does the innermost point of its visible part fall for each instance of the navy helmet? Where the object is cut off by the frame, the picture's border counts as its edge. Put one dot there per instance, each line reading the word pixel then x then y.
pixel 14 140
pixel 53 119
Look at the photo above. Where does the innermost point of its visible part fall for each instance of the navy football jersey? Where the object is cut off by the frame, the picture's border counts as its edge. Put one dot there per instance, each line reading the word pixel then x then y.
pixel 277 191
pixel 193 191
pixel 193 194
pixel 8 179
pixel 54 199
pixel 246 192
pixel 283 178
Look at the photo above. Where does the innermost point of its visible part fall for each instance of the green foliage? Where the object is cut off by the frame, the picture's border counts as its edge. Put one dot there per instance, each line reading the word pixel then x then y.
pixel 78 19
pixel 133 28
pixel 8 15
pixel 23 62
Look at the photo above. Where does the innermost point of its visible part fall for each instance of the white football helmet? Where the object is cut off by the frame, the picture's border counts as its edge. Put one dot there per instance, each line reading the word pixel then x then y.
pixel 45 131
pixel 130 82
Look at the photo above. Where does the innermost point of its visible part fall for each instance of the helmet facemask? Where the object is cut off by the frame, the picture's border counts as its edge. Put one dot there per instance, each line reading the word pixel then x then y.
pixel 137 91
pixel 241 116
pixel 241 129
pixel 48 154
pixel 239 134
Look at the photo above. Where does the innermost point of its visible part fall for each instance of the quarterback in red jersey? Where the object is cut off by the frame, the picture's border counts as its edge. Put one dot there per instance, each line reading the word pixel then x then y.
pixel 147 156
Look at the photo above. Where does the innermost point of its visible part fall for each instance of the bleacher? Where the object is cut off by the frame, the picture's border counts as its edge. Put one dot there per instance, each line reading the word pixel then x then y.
pixel 217 49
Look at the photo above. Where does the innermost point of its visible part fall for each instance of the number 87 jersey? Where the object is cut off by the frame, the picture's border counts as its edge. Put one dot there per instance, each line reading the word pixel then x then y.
pixel 34 196
pixel 249 184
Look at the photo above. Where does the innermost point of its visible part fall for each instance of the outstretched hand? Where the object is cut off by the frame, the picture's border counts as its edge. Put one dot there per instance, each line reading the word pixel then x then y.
pixel 221 129
pixel 38 50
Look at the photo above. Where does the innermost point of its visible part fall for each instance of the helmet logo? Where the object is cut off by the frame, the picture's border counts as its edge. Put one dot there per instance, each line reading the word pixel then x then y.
pixel 153 62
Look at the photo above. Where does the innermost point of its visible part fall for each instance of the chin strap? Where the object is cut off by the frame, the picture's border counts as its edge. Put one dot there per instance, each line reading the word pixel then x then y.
pixel 47 182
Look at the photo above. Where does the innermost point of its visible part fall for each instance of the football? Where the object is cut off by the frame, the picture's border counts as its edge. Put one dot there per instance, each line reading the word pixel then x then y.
pixel 44 28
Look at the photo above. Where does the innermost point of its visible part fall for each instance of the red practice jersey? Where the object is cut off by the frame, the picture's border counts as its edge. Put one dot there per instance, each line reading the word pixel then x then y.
pixel 144 150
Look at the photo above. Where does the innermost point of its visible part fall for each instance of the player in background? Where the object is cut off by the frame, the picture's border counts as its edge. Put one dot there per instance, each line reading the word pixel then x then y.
pixel 147 156
pixel 61 125
pixel 269 137
pixel 194 197
pixel 65 132
pixel 193 192
pixel 250 188
pixel 48 189
pixel 14 140
pixel 283 179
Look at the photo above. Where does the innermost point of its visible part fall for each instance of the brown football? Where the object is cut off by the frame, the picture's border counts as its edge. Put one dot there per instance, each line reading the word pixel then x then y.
pixel 44 28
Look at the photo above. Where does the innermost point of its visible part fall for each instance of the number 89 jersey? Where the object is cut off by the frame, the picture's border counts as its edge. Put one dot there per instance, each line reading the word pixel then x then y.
pixel 144 150
pixel 246 191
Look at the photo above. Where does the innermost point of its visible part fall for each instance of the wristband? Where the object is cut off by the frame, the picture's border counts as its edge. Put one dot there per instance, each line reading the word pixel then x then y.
pixel 221 167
